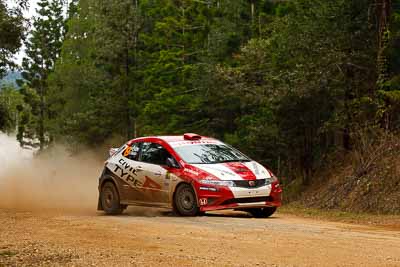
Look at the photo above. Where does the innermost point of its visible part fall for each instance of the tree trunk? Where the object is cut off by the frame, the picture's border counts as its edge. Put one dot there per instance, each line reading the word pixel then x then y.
pixel 348 98
pixel 128 95
pixel 41 118
pixel 252 12
pixel 384 9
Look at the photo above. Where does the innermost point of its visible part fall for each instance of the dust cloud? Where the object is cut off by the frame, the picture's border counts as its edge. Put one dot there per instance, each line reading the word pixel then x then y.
pixel 54 181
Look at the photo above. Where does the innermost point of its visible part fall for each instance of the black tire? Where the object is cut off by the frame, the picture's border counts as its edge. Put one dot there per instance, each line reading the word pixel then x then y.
pixel 263 212
pixel 185 201
pixel 109 198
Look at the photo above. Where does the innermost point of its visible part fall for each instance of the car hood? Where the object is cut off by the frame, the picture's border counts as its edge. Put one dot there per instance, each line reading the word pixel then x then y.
pixel 235 170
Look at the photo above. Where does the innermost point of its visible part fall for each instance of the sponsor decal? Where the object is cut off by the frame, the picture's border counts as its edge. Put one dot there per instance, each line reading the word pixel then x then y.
pixel 127 173
pixel 167 179
pixel 223 172
pixel 186 143
pixel 203 201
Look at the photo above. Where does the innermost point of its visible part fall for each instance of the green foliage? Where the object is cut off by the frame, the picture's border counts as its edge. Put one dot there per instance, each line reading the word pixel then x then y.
pixel 11 33
pixel 389 92
pixel 93 87
pixel 4 117
pixel 150 71
pixel 287 82
pixel 300 86
pixel 42 50
pixel 11 102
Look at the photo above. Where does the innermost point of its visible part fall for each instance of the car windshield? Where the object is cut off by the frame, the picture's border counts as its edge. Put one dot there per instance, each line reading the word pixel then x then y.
pixel 209 154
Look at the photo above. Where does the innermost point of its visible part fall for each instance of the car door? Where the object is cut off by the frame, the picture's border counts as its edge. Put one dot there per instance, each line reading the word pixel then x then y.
pixel 153 158
pixel 126 166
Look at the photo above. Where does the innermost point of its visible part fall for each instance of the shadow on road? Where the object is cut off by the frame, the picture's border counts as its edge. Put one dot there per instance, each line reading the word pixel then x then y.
pixel 154 212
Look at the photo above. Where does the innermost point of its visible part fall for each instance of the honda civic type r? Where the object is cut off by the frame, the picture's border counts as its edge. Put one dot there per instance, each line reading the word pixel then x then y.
pixel 191 174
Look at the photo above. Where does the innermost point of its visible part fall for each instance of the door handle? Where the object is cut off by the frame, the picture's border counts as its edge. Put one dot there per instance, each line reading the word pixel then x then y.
pixel 157 173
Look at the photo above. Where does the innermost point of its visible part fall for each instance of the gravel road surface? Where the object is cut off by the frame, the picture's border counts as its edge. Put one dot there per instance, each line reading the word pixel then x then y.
pixel 147 237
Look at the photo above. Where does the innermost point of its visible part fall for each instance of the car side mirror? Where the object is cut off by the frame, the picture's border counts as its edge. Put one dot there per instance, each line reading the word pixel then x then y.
pixel 172 163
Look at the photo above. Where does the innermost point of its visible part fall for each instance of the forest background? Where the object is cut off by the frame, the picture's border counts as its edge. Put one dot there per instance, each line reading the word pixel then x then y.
pixel 310 88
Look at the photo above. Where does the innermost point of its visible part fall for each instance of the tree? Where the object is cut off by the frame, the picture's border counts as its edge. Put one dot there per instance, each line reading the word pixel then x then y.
pixel 11 103
pixel 42 50
pixel 189 39
pixel 383 14
pixel 103 47
pixel 144 63
pixel 285 81
pixel 11 34
pixel 308 80
pixel 388 83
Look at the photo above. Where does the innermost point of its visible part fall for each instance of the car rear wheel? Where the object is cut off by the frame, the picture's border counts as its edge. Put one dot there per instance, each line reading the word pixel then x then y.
pixel 262 212
pixel 110 199
pixel 185 202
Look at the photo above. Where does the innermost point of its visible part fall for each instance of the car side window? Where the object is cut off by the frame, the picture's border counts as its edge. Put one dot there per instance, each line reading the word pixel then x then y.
pixel 132 152
pixel 154 153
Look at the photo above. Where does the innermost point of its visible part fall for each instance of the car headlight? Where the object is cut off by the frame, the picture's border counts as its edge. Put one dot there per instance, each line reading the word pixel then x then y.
pixel 271 180
pixel 217 183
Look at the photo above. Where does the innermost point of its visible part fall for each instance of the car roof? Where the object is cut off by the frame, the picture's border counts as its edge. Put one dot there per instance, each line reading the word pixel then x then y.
pixel 170 138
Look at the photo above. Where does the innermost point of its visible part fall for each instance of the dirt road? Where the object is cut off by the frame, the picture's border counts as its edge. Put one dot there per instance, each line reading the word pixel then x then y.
pixel 37 230
pixel 145 237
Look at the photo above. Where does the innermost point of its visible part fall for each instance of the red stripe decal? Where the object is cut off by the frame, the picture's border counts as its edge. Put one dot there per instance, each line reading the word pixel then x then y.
pixel 150 184
pixel 241 169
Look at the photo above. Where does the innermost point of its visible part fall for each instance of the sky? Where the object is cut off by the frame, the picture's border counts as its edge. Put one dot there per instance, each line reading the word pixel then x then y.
pixel 32 5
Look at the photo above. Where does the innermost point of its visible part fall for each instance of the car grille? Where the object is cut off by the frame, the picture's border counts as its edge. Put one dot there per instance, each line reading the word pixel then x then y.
pixel 246 200
pixel 245 183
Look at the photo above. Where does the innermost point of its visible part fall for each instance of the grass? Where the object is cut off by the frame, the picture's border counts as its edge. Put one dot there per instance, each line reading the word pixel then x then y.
pixel 380 220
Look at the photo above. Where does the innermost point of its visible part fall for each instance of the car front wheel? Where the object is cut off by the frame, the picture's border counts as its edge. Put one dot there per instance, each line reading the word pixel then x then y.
pixel 110 199
pixel 262 212
pixel 185 202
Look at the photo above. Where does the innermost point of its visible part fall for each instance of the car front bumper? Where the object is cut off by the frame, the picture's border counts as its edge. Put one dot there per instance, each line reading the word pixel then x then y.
pixel 219 198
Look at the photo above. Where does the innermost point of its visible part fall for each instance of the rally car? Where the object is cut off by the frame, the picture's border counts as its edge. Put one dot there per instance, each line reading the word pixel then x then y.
pixel 190 174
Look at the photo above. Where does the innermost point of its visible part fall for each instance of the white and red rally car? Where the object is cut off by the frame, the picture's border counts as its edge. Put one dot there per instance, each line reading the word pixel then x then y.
pixel 191 174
